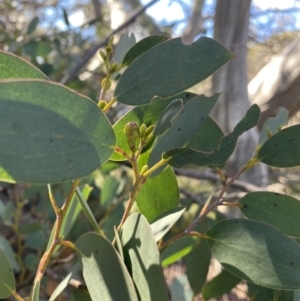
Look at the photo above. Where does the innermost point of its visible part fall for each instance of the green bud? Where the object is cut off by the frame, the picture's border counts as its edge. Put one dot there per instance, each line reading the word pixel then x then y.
pixel 103 55
pixel 131 130
pixel 149 130
pixel 143 129
pixel 111 41
pixel 108 49
pixel 101 104
pixel 113 67
pixel 106 84
pixel 144 169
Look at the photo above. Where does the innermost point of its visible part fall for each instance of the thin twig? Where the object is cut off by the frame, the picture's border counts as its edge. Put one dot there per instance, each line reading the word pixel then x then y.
pixel 88 55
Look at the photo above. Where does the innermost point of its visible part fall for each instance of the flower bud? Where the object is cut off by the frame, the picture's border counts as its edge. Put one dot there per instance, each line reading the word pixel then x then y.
pixel 108 49
pixel 106 84
pixel 149 130
pixel 111 41
pixel 131 130
pixel 143 129
pixel 113 67
pixel 102 54
pixel 101 104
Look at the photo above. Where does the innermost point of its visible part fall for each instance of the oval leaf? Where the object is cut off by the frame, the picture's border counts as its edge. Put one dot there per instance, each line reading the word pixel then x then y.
pixel 141 47
pixel 168 69
pixel 142 259
pixel 159 194
pixel 12 66
pixel 240 245
pixel 282 149
pixel 279 210
pixel 49 133
pixel 7 279
pixel 104 273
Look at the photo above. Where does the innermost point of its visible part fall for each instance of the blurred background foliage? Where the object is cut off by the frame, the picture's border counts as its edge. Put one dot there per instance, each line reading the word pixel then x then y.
pixel 56 36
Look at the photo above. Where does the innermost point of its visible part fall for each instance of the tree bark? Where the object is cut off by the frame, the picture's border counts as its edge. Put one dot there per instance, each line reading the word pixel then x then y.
pixel 231 29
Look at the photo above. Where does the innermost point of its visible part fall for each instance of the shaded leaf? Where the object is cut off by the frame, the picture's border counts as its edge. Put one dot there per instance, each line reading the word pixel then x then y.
pixel 37 48
pixel 178 250
pixel 66 18
pixel 49 133
pixel 279 210
pixel 184 128
pixel 126 42
pixel 32 25
pixel 259 293
pixel 197 265
pixel 12 66
pixel 108 190
pixel 147 114
pixel 7 249
pixel 118 245
pixel 103 270
pixel 239 245
pixel 182 65
pixel 158 194
pixel 142 258
pixel 220 285
pixel 272 125
pixel 7 279
pixel 168 117
pixel 182 156
pixel 180 289
pixel 141 47
pixel 282 149
pixel 165 222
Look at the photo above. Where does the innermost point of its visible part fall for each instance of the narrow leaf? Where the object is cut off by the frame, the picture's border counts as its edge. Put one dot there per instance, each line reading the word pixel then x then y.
pixel 142 259
pixel 182 156
pixel 7 249
pixel 141 47
pixel 220 285
pixel 147 114
pixel 197 264
pixel 168 117
pixel 180 289
pixel 165 222
pixel 7 279
pixel 282 149
pixel 239 245
pixel 279 210
pixel 104 273
pixel 36 291
pixel 159 194
pixel 184 128
pixel 32 25
pixel 118 246
pixel 50 134
pixel 272 125
pixel 12 66
pixel 171 60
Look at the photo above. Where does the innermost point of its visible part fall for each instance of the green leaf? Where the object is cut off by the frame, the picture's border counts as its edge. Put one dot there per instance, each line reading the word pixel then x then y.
pixel 12 66
pixel 7 279
pixel 147 114
pixel 165 222
pixel 184 128
pixel 118 245
pixel 103 270
pixel 141 47
pixel 284 296
pixel 7 249
pixel 272 125
pixel 296 296
pixel 158 194
pixel 180 289
pixel 178 250
pixel 169 68
pixel 197 264
pixel 168 117
pixel 259 293
pixel 36 291
pixel 279 210
pixel 37 48
pixel 182 156
pixel 126 42
pixel 282 149
pixel 220 285
pixel 240 245
pixel 32 25
pixel 108 190
pixel 142 259
pixel 87 211
pixel 64 283
pixel 49 133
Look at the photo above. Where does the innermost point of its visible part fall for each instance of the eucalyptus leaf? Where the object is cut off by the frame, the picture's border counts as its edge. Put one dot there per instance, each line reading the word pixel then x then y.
pixel 169 68
pixel 118 245
pixel 32 25
pixel 182 156
pixel 142 258
pixel 141 47
pixel 126 42
pixel 12 66
pixel 104 272
pixel 7 279
pixel 259 293
pixel 240 245
pixel 279 210
pixel 9 252
pixel 180 289
pixel 50 134
pixel 282 149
